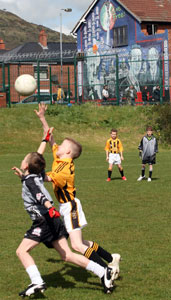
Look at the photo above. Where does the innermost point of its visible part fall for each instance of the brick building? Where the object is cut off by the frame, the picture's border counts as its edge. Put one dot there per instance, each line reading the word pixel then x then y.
pixel 35 58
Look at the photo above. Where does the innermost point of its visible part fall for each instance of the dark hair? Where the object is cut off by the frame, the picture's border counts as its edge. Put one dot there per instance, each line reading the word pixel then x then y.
pixel 76 148
pixel 149 128
pixel 36 163
pixel 113 130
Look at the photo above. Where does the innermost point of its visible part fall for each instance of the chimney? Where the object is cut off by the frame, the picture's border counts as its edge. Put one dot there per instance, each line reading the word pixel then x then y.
pixel 2 45
pixel 43 39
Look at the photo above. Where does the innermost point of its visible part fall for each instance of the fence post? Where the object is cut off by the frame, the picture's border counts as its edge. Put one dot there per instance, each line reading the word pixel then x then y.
pixel 3 77
pixel 50 73
pixel 69 99
pixel 161 85
pixel 9 87
pixel 117 80
pixel 38 81
pixel 75 77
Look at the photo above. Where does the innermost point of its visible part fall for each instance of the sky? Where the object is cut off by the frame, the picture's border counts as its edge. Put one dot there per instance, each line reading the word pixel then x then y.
pixel 47 12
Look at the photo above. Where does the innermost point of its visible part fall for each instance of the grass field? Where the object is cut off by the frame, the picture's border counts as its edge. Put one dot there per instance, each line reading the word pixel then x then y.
pixel 131 218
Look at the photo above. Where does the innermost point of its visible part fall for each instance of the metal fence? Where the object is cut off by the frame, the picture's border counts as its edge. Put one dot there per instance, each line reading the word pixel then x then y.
pixel 128 81
pixel 82 78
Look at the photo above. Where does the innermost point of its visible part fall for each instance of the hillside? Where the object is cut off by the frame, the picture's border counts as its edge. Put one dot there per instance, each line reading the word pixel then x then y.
pixel 13 26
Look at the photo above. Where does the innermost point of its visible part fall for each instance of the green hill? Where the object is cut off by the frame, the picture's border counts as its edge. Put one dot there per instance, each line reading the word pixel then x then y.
pixel 13 26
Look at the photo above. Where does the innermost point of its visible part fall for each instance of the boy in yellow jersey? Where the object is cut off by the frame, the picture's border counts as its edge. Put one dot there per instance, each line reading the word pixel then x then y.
pixel 114 154
pixel 63 176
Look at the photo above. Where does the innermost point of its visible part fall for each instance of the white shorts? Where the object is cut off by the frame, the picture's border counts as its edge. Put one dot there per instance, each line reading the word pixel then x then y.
pixel 73 215
pixel 114 159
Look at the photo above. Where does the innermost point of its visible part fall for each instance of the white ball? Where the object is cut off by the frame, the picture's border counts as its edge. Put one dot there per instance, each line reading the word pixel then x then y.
pixel 25 85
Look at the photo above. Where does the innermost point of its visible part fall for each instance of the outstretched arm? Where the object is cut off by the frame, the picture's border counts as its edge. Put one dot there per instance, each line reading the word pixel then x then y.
pixel 41 115
pixel 45 139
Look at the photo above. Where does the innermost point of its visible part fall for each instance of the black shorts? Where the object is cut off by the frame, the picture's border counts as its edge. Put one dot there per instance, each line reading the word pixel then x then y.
pixel 46 230
pixel 151 160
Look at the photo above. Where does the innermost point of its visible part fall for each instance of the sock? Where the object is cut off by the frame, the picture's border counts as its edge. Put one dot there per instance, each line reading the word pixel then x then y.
pixel 143 172
pixel 150 174
pixel 92 255
pixel 95 268
pixel 102 252
pixel 34 274
pixel 109 173
pixel 121 172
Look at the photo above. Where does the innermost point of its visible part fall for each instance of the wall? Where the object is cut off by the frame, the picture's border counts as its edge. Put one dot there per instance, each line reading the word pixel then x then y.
pixel 139 60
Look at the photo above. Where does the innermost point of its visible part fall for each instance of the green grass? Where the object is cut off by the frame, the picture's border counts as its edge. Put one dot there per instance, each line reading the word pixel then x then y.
pixel 132 218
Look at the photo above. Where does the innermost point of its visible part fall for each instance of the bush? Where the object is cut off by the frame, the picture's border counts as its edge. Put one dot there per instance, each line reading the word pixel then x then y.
pixel 160 119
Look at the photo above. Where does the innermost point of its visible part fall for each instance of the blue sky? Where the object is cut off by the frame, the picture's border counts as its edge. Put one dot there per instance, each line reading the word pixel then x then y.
pixel 46 12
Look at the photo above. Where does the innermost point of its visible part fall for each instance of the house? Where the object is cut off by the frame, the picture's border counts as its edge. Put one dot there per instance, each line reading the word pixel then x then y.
pixel 124 43
pixel 41 59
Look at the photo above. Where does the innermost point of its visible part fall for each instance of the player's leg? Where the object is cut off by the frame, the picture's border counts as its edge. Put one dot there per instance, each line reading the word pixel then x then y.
pixel 84 247
pixel 120 168
pixel 37 283
pixel 150 172
pixel 73 227
pixel 22 252
pixel 109 172
pixel 113 260
pixel 105 274
pixel 142 176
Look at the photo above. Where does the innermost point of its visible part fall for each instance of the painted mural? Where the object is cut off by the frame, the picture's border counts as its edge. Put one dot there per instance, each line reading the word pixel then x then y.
pixel 139 59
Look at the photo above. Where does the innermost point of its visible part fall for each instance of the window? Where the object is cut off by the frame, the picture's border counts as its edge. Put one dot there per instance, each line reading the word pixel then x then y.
pixel 120 36
pixel 43 71
pixel 151 29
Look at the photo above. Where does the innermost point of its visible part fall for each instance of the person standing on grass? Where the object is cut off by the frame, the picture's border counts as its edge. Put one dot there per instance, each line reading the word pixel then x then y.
pixel 63 178
pixel 114 154
pixel 47 227
pixel 148 148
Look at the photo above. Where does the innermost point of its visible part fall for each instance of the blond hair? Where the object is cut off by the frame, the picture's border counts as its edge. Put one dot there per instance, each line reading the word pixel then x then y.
pixel 76 148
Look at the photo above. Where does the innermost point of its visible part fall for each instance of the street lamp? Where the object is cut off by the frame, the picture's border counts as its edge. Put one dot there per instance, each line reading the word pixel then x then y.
pixel 66 10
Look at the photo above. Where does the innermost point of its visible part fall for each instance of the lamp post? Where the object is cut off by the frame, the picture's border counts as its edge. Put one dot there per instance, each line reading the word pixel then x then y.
pixel 61 57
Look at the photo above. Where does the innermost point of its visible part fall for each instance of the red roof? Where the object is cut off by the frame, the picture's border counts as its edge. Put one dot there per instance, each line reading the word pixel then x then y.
pixel 142 10
pixel 149 10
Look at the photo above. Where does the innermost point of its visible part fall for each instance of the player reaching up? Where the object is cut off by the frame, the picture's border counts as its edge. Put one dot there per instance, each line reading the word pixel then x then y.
pixel 63 178
pixel 47 227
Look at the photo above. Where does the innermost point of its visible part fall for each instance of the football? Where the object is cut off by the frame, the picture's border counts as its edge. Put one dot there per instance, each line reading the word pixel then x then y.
pixel 25 85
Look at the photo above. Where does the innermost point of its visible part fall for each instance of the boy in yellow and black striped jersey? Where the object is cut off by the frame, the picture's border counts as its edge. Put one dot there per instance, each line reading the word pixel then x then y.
pixel 114 154
pixel 63 178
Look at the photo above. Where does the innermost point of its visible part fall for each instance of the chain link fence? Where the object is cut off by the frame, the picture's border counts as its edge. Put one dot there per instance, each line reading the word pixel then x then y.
pixel 127 81
pixel 82 78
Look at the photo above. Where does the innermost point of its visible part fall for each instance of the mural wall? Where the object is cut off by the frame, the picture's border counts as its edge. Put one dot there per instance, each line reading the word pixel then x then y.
pixel 139 55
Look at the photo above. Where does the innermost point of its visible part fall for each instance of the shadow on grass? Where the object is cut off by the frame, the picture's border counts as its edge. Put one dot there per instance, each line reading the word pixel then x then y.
pixel 152 179
pixel 57 279
pixel 116 178
pixel 37 296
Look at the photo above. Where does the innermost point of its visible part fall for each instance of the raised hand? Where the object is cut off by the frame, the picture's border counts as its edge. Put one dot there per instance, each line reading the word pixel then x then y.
pixel 41 112
pixel 17 172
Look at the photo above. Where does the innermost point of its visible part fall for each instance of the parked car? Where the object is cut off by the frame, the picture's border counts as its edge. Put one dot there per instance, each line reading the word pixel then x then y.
pixel 33 99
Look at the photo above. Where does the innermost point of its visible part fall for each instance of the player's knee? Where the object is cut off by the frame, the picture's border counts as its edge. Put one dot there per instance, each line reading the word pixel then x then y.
pixel 77 247
pixel 66 256
pixel 19 252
